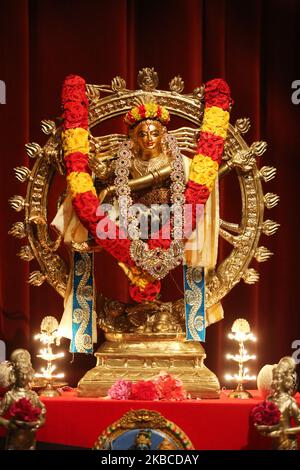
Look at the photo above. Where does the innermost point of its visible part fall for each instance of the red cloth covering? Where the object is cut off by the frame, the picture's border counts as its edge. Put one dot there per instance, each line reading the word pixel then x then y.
pixel 210 424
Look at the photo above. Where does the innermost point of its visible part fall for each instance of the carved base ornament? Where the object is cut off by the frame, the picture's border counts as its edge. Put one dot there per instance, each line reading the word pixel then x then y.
pixel 142 430
pixel 142 198
pixel 141 357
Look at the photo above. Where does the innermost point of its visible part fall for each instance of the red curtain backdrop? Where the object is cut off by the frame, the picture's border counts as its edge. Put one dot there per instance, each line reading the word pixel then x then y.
pixel 252 44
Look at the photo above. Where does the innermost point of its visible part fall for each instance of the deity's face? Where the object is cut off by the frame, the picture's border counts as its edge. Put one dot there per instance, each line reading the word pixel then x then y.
pixel 147 137
pixel 141 439
pixel 22 368
pixel 23 376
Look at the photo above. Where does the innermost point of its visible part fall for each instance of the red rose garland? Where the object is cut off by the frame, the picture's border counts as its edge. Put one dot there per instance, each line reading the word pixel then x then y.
pixel 203 171
pixel 80 183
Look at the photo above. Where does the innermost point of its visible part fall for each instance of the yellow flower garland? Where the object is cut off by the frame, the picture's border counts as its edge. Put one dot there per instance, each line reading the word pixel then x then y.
pixel 75 140
pixel 203 171
pixel 215 120
pixel 79 182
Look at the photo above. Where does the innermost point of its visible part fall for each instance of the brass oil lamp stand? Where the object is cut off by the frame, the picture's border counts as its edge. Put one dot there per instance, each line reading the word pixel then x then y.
pixel 241 333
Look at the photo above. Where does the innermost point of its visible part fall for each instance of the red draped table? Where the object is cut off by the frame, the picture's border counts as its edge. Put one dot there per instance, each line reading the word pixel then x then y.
pixel 221 424
pixel 210 424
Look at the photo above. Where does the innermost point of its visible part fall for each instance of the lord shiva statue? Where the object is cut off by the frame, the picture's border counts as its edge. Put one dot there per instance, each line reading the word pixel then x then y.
pixel 141 198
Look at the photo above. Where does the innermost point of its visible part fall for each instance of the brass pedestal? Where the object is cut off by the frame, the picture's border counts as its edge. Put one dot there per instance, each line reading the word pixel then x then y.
pixel 141 357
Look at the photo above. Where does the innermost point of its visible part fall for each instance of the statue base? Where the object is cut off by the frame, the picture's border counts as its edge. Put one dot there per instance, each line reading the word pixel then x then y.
pixel 141 357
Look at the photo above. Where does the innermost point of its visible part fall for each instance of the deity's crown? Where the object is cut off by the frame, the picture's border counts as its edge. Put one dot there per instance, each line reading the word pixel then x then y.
pixel 144 111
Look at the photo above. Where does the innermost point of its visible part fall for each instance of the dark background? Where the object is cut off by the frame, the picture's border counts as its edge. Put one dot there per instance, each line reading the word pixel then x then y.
pixel 251 44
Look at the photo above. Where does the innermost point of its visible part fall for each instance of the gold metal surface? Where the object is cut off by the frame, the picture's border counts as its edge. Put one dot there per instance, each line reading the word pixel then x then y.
pixel 109 101
pixel 152 317
pixel 33 150
pixel 48 127
pixel 25 253
pixel 284 385
pixel 17 374
pixel 17 203
pixel 36 278
pixel 49 390
pixel 118 100
pixel 176 84
pixel 22 173
pixel 262 254
pixel 239 392
pixel 18 230
pixel 143 356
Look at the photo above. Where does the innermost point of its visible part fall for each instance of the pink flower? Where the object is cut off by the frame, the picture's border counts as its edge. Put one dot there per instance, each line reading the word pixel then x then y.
pixel 120 390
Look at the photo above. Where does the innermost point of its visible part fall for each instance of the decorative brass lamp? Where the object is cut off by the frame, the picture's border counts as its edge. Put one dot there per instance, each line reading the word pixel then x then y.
pixel 49 336
pixel 241 333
